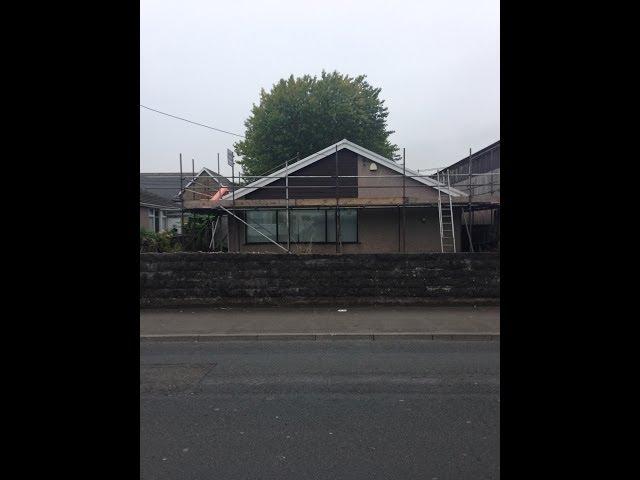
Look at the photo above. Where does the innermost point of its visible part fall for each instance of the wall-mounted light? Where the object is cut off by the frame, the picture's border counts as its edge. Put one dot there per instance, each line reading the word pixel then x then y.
pixel 373 167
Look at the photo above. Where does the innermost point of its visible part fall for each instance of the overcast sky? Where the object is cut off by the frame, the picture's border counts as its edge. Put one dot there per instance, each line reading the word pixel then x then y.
pixel 437 63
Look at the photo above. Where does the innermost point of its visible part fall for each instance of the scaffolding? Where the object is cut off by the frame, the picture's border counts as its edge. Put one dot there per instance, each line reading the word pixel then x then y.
pixel 444 204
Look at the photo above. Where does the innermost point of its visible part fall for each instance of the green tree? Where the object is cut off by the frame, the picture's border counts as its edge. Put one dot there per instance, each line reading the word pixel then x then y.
pixel 306 114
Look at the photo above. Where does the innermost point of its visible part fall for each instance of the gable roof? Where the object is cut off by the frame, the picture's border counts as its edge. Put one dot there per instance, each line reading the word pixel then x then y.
pixel 150 199
pixel 167 184
pixel 222 181
pixel 342 144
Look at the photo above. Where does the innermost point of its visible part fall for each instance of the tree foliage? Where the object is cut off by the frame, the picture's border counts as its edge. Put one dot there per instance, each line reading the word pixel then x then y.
pixel 306 114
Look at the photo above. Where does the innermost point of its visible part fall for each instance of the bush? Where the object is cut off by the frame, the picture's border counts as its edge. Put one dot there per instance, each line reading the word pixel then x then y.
pixel 197 232
pixel 158 242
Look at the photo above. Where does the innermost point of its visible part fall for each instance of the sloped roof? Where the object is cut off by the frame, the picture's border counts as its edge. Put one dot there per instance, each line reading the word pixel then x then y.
pixel 222 181
pixel 148 198
pixel 342 144
pixel 162 184
pixel 167 184
pixel 475 156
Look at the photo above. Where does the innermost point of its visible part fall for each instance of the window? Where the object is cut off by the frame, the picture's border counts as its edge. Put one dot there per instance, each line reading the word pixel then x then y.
pixel 348 225
pixel 174 222
pixel 154 219
pixel 306 226
pixel 163 220
pixel 265 222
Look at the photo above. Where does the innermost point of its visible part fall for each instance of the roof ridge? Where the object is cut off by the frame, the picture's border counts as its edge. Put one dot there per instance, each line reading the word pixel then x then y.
pixel 344 143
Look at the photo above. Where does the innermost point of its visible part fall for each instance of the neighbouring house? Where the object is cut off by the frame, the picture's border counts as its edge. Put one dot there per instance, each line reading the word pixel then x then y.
pixel 380 207
pixel 157 214
pixel 204 184
pixel 478 175
pixel 168 186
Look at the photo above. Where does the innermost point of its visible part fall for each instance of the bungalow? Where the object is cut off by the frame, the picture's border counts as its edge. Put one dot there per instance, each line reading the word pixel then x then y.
pixel 169 191
pixel 157 214
pixel 373 203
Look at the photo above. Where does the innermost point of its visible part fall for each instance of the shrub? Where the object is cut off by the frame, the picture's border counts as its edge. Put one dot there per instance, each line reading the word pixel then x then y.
pixel 158 242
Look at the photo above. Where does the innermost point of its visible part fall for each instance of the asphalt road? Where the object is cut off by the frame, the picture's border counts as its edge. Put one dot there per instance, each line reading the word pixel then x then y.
pixel 320 410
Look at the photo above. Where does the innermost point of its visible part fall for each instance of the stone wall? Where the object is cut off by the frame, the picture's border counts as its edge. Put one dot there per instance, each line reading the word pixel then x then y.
pixel 193 279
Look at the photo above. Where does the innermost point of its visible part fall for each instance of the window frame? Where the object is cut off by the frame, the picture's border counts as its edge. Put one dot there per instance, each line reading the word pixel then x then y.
pixel 277 233
pixel 246 227
pixel 153 216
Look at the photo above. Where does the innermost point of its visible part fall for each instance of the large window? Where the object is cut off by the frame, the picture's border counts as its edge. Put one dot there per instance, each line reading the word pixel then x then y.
pixel 306 226
pixel 265 222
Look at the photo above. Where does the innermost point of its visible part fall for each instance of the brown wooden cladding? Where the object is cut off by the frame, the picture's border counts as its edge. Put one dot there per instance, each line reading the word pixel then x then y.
pixel 348 187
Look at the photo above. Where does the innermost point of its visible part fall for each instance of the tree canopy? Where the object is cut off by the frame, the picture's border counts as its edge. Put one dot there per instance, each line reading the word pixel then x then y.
pixel 306 114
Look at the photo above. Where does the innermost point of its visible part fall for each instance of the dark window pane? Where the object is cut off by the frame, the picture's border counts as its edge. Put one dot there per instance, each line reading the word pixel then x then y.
pixel 307 226
pixel 348 225
pixel 264 221
pixel 282 225
pixel 331 226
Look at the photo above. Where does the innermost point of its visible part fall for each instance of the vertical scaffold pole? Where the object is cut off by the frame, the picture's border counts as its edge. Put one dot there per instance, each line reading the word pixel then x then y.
pixel 286 189
pixel 181 198
pixel 337 219
pixel 404 201
pixel 193 177
pixel 470 195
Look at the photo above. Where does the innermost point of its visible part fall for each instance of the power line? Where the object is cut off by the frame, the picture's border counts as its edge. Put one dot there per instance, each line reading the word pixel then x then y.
pixel 189 121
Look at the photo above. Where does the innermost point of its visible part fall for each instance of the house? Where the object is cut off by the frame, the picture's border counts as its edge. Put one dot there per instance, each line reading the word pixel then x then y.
pixel 157 214
pixel 169 187
pixel 374 204
pixel 478 175
pixel 204 184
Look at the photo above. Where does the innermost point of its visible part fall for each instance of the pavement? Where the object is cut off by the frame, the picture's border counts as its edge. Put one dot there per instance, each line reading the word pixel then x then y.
pixel 321 323
pixel 409 409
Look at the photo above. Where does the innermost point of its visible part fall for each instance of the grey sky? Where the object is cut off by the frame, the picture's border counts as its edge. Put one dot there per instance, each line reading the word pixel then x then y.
pixel 437 63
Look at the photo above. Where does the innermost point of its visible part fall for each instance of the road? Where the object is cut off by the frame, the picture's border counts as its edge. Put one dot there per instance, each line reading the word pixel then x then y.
pixel 337 409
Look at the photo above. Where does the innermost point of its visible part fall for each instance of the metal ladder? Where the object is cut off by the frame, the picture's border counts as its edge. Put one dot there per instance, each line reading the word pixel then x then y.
pixel 447 230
